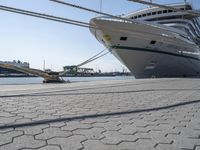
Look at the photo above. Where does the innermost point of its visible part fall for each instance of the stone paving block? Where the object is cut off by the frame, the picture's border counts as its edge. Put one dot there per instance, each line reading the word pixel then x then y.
pixel 74 125
pixel 24 141
pixel 132 129
pixel 98 145
pixel 31 115
pixel 186 143
pixel 91 134
pixel 194 124
pixel 10 109
pixel 7 137
pixel 128 129
pixel 50 147
pixel 114 138
pixel 111 125
pixel 190 133
pixel 53 132
pixel 6 114
pixel 143 144
pixel 34 130
pixel 160 138
pixel 167 147
pixel 70 143
pixel 9 120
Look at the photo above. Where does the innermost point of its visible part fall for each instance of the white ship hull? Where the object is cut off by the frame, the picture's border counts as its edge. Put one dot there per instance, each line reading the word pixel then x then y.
pixel 148 50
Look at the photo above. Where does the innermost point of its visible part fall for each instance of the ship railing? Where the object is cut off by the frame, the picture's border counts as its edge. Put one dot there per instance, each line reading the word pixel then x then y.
pixel 125 20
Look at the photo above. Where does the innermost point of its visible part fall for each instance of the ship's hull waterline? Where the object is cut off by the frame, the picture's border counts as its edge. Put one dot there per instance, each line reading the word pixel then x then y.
pixel 149 51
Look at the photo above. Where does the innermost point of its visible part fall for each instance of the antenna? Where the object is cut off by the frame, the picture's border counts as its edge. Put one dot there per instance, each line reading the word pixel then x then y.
pixel 44 65
pixel 101 5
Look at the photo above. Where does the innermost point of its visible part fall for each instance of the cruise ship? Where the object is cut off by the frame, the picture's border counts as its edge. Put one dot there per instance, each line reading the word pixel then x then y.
pixel 153 42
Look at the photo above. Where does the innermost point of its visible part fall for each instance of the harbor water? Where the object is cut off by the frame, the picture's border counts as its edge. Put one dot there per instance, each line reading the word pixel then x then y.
pixel 38 80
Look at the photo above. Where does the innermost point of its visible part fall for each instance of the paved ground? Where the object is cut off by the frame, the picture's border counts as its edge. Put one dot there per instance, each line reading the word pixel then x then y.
pixel 158 114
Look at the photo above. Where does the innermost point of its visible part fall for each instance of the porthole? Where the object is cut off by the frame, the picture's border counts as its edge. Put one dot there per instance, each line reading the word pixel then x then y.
pixel 123 38
pixel 153 42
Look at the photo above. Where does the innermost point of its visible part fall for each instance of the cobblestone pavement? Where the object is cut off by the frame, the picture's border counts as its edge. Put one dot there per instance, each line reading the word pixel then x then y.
pixel 160 114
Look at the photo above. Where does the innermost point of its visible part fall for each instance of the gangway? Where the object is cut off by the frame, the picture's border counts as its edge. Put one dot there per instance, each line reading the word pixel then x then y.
pixel 49 77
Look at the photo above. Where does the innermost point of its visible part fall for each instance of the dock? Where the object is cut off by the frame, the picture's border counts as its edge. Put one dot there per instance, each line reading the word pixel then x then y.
pixel 143 114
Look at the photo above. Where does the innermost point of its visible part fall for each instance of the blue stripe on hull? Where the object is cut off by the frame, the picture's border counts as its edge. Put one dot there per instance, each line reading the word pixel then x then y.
pixel 154 51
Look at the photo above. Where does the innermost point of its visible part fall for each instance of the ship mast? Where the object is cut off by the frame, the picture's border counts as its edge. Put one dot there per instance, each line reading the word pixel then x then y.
pixel 101 3
pixel 151 1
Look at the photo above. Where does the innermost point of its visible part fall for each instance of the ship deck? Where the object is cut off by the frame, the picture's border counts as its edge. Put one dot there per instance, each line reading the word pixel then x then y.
pixel 101 115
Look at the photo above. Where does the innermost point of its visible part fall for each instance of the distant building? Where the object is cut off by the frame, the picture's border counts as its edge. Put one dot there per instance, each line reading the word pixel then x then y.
pixel 77 70
pixel 14 62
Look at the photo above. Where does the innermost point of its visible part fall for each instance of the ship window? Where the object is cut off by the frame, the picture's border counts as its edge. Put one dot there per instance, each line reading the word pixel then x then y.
pixel 149 14
pixel 131 17
pixel 182 9
pixel 135 17
pixel 153 42
pixel 144 15
pixel 188 7
pixel 153 13
pixel 170 11
pixel 123 38
pixel 164 11
pixel 139 16
pixel 159 12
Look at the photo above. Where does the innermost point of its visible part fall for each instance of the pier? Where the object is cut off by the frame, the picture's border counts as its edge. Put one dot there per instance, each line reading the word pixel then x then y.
pixel 153 114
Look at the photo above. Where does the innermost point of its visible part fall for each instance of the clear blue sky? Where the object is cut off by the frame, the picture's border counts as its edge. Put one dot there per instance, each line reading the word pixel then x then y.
pixel 34 40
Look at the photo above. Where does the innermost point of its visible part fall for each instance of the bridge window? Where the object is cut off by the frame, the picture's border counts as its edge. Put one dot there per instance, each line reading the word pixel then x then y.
pixel 188 7
pixel 144 15
pixel 153 13
pixel 149 14
pixel 159 12
pixel 164 11
pixel 170 11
